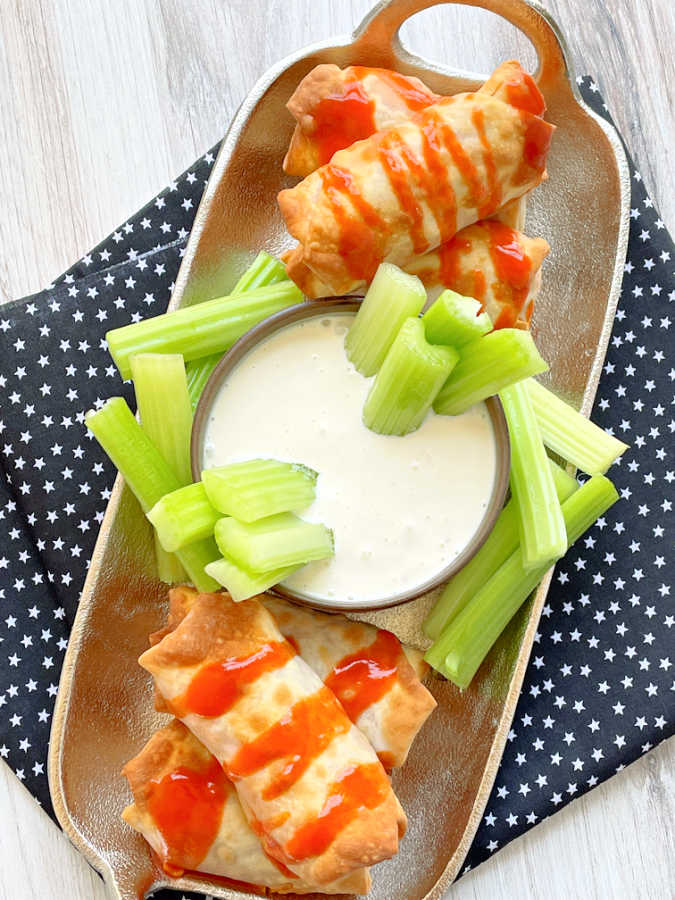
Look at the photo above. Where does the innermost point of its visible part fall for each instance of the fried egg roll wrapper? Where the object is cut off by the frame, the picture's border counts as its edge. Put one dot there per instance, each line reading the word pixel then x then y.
pixel 377 679
pixel 310 784
pixel 335 107
pixel 190 814
pixel 491 261
pixel 406 190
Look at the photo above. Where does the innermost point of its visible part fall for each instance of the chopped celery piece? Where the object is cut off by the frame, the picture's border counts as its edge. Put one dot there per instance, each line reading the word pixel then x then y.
pixel 183 516
pixel 202 329
pixel 571 435
pixel 198 372
pixel 406 385
pixel 259 488
pixel 392 297
pixel 147 474
pixel 455 320
pixel 169 569
pixel 139 461
pixel 243 584
pixel 195 558
pixel 542 530
pixel 502 541
pixel 273 543
pixel 264 270
pixel 486 366
pixel 465 642
pixel 164 407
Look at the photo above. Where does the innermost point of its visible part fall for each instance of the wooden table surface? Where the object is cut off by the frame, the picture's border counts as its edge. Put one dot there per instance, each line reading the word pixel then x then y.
pixel 102 103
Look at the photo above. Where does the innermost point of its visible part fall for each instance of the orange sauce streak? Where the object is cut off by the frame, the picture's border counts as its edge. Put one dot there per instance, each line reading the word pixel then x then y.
pixel 341 119
pixel 299 737
pixel 359 236
pixel 391 151
pixel 414 97
pixel 187 807
pixel 513 268
pixel 494 196
pixel 523 93
pixel 477 194
pixel 364 677
pixel 479 286
pixel 433 177
pixel 537 136
pixel 364 786
pixel 450 253
pixel 217 686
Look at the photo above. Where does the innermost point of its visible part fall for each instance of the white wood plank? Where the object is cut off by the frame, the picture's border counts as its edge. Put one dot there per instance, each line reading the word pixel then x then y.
pixel 102 103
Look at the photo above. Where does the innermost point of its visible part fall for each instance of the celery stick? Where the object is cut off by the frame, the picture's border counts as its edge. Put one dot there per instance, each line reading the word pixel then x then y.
pixel 164 407
pixel 542 530
pixel 465 642
pixel 571 435
pixel 264 270
pixel 195 558
pixel 455 320
pixel 198 372
pixel 141 464
pixel 259 488
pixel 273 543
pixel 183 516
pixel 202 329
pixel 502 541
pixel 169 568
pixel 406 385
pixel 392 297
pixel 147 474
pixel 486 366
pixel 243 584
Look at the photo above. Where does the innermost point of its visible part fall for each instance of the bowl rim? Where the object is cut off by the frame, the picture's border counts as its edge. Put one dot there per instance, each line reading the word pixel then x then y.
pixel 329 306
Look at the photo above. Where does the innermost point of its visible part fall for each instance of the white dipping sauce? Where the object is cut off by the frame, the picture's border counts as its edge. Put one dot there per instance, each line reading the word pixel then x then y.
pixel 401 508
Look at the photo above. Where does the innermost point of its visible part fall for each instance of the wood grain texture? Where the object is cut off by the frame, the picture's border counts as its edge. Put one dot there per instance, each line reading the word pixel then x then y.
pixel 102 103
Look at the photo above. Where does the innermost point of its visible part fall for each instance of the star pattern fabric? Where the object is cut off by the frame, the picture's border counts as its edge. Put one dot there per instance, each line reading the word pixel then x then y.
pixel 600 687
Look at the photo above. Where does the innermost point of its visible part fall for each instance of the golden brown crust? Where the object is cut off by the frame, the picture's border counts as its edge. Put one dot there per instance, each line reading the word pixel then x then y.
pixel 218 629
pixel 410 705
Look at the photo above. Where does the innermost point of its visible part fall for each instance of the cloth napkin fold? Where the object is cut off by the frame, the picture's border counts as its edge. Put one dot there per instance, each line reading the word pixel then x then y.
pixel 600 687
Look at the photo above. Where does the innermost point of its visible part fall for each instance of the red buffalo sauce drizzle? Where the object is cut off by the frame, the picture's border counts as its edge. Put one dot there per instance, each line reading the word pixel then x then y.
pixel 414 96
pixel 299 738
pixel 536 140
pixel 513 268
pixel 359 236
pixel 187 807
pixel 494 191
pixel 364 677
pixel 433 176
pixel 477 193
pixel 391 150
pixel 340 119
pixel 451 270
pixel 364 786
pixel 523 93
pixel 217 686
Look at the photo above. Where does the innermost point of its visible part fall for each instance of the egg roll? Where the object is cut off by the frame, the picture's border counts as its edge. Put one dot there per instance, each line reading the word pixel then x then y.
pixel 374 676
pixel 334 107
pixel 310 784
pixel 408 189
pixel 377 679
pixel 190 814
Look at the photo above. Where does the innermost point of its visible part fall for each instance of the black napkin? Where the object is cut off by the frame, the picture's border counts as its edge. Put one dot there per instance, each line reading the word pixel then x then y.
pixel 599 691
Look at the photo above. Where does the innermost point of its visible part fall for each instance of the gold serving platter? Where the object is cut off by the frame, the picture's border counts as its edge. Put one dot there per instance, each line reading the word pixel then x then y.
pixel 104 711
